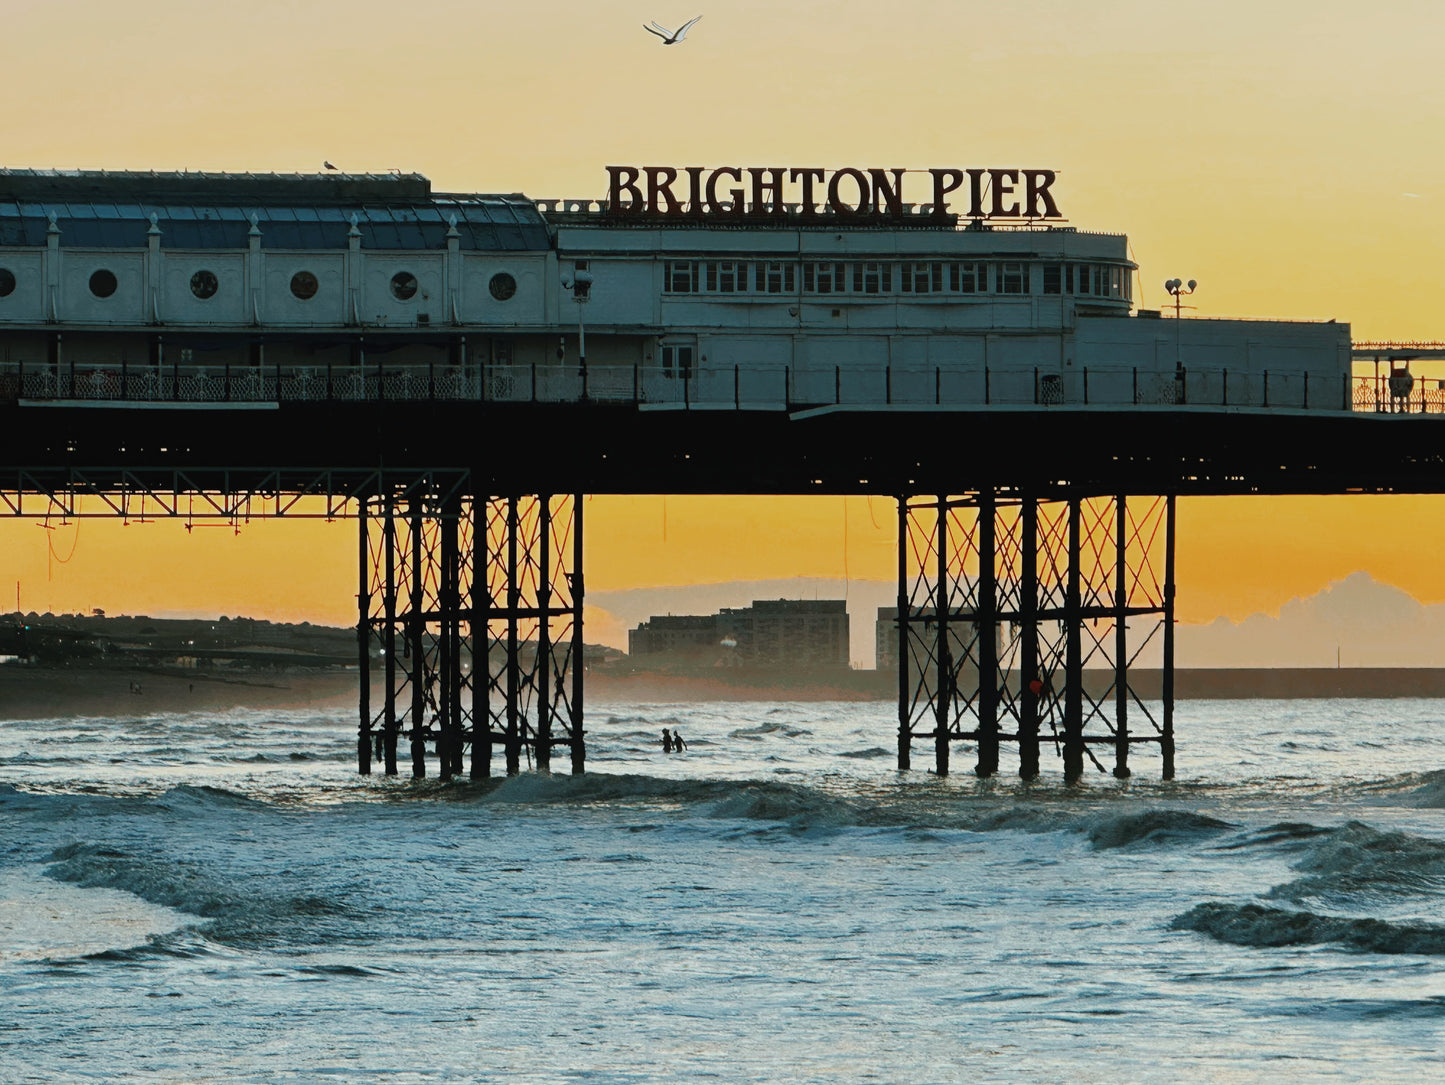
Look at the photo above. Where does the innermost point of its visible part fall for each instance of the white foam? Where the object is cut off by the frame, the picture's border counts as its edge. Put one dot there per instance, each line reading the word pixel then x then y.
pixel 42 919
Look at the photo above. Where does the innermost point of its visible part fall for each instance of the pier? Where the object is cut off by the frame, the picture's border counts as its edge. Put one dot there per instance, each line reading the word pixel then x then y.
pixel 162 357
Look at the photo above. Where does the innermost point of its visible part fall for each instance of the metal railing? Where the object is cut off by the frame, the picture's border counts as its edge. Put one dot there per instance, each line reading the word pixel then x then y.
pixel 740 387
pixel 1398 393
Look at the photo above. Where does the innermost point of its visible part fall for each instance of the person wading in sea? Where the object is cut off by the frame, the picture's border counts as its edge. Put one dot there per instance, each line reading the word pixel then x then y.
pixel 678 745
pixel 666 740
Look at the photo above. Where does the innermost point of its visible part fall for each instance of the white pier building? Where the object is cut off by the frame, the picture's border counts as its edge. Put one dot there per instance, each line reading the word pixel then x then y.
pixel 159 286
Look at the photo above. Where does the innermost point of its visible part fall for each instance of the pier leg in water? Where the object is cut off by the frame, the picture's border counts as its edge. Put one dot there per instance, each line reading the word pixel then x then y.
pixel 987 626
pixel 1029 683
pixel 1073 656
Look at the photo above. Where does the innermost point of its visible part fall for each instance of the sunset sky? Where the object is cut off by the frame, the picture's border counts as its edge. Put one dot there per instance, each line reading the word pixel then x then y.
pixel 1287 155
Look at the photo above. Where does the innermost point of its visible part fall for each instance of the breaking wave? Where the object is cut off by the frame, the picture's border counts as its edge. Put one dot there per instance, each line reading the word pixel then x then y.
pixel 1156 828
pixel 236 914
pixel 1259 925
pixel 1355 860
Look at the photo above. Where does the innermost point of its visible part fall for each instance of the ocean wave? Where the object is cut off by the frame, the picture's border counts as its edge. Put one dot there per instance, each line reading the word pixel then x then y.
pixel 235 913
pixel 1419 790
pixel 204 796
pixel 1155 827
pixel 1266 927
pixel 803 807
pixel 1355 859
pixel 1283 834
pixel 800 807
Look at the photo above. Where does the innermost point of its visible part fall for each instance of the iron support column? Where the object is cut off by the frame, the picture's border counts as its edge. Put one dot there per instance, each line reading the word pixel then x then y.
pixel 481 613
pixel 579 732
pixel 449 603
pixel 415 630
pixel 1121 640
pixel 363 643
pixel 514 677
pixel 1073 657
pixel 905 727
pixel 943 688
pixel 986 622
pixel 1029 634
pixel 543 662
pixel 1166 740
pixel 389 722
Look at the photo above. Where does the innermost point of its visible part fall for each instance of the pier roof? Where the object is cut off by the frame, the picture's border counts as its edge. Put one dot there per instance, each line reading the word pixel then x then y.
pixel 112 209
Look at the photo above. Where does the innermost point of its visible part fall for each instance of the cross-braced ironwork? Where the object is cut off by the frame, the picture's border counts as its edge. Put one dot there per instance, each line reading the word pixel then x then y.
pixel 472 613
pixel 1020 618
pixel 413 628
pixel 531 612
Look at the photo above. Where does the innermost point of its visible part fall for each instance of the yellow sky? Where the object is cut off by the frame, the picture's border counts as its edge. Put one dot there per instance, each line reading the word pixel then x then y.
pixel 1266 150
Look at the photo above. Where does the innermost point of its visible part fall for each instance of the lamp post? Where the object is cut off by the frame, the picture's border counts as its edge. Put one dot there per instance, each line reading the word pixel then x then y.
pixel 1178 288
pixel 579 282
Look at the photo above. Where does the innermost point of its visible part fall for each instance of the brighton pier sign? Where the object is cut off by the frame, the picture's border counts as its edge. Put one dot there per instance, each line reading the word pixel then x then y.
pixel 667 192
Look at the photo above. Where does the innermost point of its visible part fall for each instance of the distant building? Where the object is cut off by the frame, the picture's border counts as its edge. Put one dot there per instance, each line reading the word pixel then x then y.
pixel 680 637
pixel 790 632
pixel 770 633
pixel 885 639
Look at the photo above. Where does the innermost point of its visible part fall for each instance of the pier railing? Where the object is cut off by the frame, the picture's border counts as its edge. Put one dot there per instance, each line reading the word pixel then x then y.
pixel 740 387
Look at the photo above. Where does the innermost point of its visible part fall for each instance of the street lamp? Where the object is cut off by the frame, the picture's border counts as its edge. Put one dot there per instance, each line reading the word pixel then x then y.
pixel 1178 288
pixel 579 282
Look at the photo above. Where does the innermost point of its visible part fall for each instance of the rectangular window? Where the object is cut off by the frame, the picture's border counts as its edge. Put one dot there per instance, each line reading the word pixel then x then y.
pixel 1101 282
pixel 1128 285
pixel 1082 279
pixel 872 278
pixel 926 278
pixel 1116 282
pixel 968 278
pixel 777 278
pixel 1012 278
pixel 725 277
pixel 680 277
pixel 677 360
pixel 825 278
pixel 1053 279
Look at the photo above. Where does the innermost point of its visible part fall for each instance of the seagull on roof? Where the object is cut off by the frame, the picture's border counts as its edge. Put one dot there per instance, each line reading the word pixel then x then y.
pixel 669 37
pixel 328 165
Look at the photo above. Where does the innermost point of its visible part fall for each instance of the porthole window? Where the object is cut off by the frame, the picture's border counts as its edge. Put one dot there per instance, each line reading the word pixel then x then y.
pixel 502 286
pixel 304 285
pixel 204 284
pixel 103 283
pixel 7 282
pixel 403 286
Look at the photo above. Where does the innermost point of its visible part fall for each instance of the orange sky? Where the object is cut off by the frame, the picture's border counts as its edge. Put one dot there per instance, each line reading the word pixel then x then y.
pixel 1286 155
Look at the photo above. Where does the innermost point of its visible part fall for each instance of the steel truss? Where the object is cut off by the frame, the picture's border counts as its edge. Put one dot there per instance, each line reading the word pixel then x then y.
pixel 1019 618
pixel 209 496
pixel 443 576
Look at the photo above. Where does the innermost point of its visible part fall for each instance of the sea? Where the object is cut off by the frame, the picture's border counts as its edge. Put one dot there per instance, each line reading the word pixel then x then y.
pixel 219 897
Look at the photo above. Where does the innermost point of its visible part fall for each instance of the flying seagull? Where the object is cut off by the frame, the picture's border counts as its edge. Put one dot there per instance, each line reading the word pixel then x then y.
pixel 667 36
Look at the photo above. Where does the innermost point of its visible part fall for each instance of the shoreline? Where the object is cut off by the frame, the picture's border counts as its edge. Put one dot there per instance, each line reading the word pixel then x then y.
pixel 37 692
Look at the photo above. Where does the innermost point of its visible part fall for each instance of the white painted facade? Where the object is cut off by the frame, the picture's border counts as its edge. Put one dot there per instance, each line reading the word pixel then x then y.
pixel 745 315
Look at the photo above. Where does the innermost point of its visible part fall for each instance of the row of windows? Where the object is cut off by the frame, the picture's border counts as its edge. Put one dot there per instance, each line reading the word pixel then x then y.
pixel 885 277
pixel 304 284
